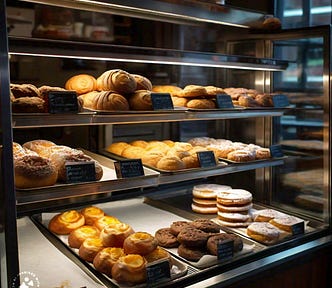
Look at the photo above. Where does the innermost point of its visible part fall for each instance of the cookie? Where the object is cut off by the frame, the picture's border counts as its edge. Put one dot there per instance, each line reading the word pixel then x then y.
pixel 192 237
pixel 213 241
pixel 206 225
pixel 165 238
pixel 177 226
pixel 190 253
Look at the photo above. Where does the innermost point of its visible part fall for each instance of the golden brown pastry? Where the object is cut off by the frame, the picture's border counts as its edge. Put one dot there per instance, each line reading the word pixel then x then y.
pixel 110 101
pixel 31 171
pixel 285 222
pixel 89 99
pixel 91 214
pixel 140 100
pixel 193 91
pixel 130 269
pixel 106 258
pixel 241 156
pixel 172 89
pixel 81 83
pixel 65 222
pixel 213 90
pixel 38 145
pixel 157 146
pixel 158 254
pixel 248 101
pixel 117 147
pixel 28 105
pixel 24 90
pixel 114 234
pixel 77 236
pixel 170 163
pixel 152 158
pixel 104 221
pixel 116 80
pixel 141 243
pixel 142 83
pixel 201 104
pixel 90 248
pixel 179 101
pixel 133 152
pixel 263 232
pixel 139 143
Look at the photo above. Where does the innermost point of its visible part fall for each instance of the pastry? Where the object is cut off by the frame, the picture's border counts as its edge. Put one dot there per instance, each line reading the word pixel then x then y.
pixel 116 80
pixel 214 91
pixel 110 101
pixel 191 253
pixel 141 243
pixel 285 222
pixel 213 241
pixel 204 206
pixel 234 219
pixel 117 147
pixel 89 100
pixel 201 104
pixel 28 105
pixel 142 83
pixel 235 208
pixel 166 238
pixel 208 191
pixel 91 214
pixel 241 156
pixel 24 90
pixel 77 236
pixel 65 222
pixel 106 258
pixel 234 197
pixel 139 143
pixel 31 171
pixel 158 146
pixel 130 269
pixel 114 234
pixel 221 150
pixel 263 153
pixel 90 248
pixel 133 152
pixel 39 145
pixel 263 232
pixel 176 152
pixel 151 158
pixel 191 91
pixel 81 83
pixel 191 161
pixel 172 89
pixel 102 222
pixel 170 163
pixel 45 90
pixel 192 237
pixel 140 100
pixel 179 101
pixel 158 254
pixel 266 215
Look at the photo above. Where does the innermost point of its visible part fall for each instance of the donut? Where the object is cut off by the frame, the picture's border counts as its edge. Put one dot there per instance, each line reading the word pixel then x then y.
pixel 31 171
pixel 263 232
pixel 114 234
pixel 165 238
pixel 240 156
pixel 206 225
pixel 208 191
pixel 234 197
pixel 90 248
pixel 106 258
pixel 77 236
pixel 141 243
pixel 191 253
pixel 192 237
pixel 130 269
pixel 65 222
pixel 177 226
pixel 91 214
pixel 238 208
pixel 203 208
pixel 102 222
pixel 213 241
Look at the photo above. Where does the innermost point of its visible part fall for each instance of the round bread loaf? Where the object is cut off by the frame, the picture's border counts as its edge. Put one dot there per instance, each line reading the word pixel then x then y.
pixel 81 83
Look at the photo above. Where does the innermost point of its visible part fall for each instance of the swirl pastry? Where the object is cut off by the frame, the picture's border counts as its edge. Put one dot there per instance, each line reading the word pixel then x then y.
pixel 66 222
pixel 141 243
pixel 91 214
pixel 38 146
pixel 82 83
pixel 114 234
pixel 104 221
pixel 116 80
pixel 90 248
pixel 77 236
pixel 110 101
pixel 106 258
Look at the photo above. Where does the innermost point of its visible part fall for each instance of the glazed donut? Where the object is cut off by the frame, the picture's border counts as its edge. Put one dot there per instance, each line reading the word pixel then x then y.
pixel 82 83
pixel 113 235
pixel 32 171
pixel 90 248
pixel 77 236
pixel 104 221
pixel 241 156
pixel 65 222
pixel 130 269
pixel 106 258
pixel 141 243
pixel 91 214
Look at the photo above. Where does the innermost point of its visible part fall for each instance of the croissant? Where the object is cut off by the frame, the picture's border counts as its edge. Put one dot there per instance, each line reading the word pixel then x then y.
pixel 89 99
pixel 116 80
pixel 140 100
pixel 110 100
pixel 82 83
pixel 142 82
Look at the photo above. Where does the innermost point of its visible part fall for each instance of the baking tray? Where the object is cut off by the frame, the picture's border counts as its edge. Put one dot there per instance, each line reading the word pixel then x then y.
pixel 162 171
pixel 258 161
pixel 176 109
pixel 179 268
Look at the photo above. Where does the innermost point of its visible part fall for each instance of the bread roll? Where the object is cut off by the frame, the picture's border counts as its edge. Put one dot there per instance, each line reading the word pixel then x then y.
pixel 172 89
pixel 141 243
pixel 106 258
pixel 170 163
pixel 38 145
pixel 141 100
pixel 116 80
pixel 77 236
pixel 90 248
pixel 91 214
pixel 104 221
pixel 117 147
pixel 82 83
pixel 65 222
pixel 114 234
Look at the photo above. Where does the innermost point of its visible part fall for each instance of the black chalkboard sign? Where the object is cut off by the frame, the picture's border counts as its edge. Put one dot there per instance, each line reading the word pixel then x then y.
pixel 298 228
pixel 276 151
pixel 162 101
pixel 206 159
pixel 62 102
pixel 280 101
pixel 224 101
pixel 225 249
pixel 156 271
pixel 80 171
pixel 129 168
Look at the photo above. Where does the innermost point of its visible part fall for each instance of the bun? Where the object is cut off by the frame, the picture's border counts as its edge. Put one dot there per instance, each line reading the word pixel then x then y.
pixel 213 91
pixel 104 221
pixel 141 100
pixel 158 254
pixel 28 105
pixel 82 83
pixel 34 171
pixel 116 80
pixel 141 243
pixel 201 104
pixel 130 269
pixel 133 152
pixel 117 147
pixel 77 236
pixel 106 258
pixel 90 248
pixel 91 214
pixel 179 101
pixel 142 83
pixel 38 146
pixel 66 222
pixel 114 234
pixel 172 89
pixel 170 163
pixel 193 91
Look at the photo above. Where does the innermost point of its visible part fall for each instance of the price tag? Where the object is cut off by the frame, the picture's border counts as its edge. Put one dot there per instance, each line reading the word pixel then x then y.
pixel 276 151
pixel 162 101
pixel 62 102
pixel 298 228
pixel 280 101
pixel 157 271
pixel 224 101
pixel 225 249
pixel 80 171
pixel 129 168
pixel 206 159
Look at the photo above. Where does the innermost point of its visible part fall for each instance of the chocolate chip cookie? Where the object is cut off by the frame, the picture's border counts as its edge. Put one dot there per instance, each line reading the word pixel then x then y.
pixel 165 238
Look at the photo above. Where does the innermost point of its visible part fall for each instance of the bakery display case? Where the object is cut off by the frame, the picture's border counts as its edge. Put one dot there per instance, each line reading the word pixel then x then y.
pixel 229 135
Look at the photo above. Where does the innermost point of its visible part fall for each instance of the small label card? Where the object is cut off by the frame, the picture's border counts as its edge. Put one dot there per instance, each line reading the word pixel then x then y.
pixel 129 168
pixel 298 228
pixel 225 249
pixel 224 101
pixel 206 159
pixel 80 171
pixel 162 101
pixel 276 151
pixel 60 102
pixel 280 101
pixel 159 270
